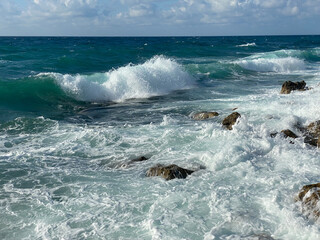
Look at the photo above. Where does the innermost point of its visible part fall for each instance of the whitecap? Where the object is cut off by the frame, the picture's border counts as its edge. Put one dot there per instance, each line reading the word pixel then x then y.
pixel 247 45
pixel 262 64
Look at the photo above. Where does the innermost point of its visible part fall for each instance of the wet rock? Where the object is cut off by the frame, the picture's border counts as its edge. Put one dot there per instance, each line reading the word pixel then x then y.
pixel 312 134
pixel 229 121
pixel 289 86
pixel 168 172
pixel 138 159
pixel 311 141
pixel 314 128
pixel 8 144
pixel 309 197
pixel 204 115
pixel 273 134
pixel 288 133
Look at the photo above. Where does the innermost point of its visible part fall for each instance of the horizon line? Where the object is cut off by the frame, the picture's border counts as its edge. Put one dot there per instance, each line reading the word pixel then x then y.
pixel 150 36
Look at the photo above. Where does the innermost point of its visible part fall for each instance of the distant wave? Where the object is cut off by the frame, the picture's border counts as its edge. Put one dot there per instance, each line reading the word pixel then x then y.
pixel 157 76
pixel 288 64
pixel 277 61
pixel 247 45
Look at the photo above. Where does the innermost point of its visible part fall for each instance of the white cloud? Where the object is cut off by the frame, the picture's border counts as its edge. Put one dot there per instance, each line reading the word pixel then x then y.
pixel 101 16
pixel 140 10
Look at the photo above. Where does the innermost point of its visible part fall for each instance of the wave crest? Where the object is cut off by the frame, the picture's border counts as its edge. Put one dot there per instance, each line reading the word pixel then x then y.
pixel 157 76
pixel 263 64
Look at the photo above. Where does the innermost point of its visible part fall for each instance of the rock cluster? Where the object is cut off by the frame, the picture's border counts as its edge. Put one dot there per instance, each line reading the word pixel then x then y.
pixel 228 122
pixel 311 133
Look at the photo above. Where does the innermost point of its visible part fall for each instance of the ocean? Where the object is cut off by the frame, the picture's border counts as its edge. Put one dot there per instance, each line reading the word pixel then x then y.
pixel 75 110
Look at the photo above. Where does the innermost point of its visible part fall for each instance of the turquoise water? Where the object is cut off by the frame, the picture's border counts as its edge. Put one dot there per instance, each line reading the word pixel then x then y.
pixel 74 111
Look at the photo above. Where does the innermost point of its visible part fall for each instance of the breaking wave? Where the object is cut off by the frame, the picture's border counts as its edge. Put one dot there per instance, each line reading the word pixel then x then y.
pixel 288 64
pixel 157 76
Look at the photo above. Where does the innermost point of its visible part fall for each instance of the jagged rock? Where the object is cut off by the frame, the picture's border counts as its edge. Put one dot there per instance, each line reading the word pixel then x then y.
pixel 168 172
pixel 229 121
pixel 204 115
pixel 314 128
pixel 289 86
pixel 309 197
pixel 288 133
pixel 312 134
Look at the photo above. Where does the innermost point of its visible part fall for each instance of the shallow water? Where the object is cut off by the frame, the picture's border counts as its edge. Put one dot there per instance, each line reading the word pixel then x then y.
pixel 73 111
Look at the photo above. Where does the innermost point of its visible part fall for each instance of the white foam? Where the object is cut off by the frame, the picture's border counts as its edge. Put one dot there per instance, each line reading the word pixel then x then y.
pixel 261 64
pixel 247 45
pixel 157 76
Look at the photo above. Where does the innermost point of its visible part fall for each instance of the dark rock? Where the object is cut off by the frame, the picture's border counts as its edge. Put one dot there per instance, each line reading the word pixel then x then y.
pixel 309 197
pixel 311 141
pixel 233 109
pixel 229 121
pixel 204 115
pixel 8 144
pixel 139 159
pixel 289 86
pixel 288 133
pixel 168 172
pixel 273 134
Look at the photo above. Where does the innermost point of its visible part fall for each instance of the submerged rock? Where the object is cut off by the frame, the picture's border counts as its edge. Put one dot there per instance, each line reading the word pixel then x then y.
pixel 289 86
pixel 168 172
pixel 229 121
pixel 138 159
pixel 204 115
pixel 132 161
pixel 309 197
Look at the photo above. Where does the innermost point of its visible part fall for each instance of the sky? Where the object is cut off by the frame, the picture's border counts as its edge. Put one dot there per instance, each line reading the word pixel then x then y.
pixel 158 17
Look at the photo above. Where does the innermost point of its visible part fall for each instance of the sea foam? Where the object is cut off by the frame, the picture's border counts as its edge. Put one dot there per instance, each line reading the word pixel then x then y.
pixel 157 76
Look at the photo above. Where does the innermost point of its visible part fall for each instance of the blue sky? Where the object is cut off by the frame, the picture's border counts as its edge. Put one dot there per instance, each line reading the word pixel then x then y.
pixel 158 17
